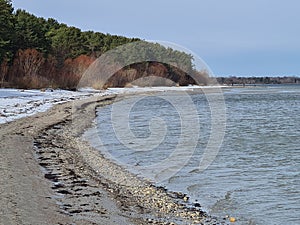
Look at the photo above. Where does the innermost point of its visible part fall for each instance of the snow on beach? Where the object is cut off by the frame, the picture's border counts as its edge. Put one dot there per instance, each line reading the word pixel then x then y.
pixel 16 103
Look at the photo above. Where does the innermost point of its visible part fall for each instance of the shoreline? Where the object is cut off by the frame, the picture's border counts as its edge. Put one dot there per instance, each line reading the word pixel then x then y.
pixel 71 182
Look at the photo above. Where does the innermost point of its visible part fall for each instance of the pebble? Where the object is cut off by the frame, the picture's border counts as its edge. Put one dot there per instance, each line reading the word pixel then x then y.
pixel 232 219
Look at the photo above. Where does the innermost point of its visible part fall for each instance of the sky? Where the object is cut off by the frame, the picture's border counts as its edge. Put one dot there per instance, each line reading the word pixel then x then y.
pixel 233 37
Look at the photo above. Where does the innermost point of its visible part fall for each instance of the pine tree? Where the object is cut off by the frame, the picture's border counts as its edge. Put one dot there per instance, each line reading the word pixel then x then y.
pixel 6 28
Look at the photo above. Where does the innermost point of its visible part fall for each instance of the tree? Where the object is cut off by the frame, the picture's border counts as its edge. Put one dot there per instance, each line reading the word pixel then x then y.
pixel 93 42
pixel 73 70
pixel 3 71
pixel 25 72
pixel 49 70
pixel 31 32
pixel 28 62
pixel 6 28
pixel 66 43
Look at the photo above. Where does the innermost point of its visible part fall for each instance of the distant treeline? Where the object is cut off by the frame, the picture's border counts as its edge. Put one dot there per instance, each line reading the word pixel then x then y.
pixel 37 52
pixel 258 80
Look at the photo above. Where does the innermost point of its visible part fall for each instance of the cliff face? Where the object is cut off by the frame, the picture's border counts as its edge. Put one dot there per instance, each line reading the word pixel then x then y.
pixel 153 74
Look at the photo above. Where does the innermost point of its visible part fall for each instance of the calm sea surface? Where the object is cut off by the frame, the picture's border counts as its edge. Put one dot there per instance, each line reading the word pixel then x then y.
pixel 256 175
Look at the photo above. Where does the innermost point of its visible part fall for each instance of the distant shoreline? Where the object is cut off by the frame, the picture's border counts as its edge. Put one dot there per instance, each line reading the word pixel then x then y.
pixel 267 80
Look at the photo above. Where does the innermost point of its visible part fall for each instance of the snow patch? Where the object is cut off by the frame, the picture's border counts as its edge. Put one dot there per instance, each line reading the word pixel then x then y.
pixel 16 103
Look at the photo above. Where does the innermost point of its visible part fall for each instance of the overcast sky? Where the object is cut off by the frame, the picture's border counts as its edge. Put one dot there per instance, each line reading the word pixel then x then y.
pixel 234 37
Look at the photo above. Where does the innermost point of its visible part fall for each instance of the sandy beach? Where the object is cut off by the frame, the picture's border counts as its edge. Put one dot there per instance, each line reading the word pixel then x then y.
pixel 50 175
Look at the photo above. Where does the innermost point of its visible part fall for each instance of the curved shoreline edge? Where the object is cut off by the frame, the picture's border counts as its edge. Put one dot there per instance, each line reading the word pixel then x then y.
pixel 50 175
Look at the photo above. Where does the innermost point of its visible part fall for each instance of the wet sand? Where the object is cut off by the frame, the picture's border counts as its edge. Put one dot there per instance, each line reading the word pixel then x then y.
pixel 50 175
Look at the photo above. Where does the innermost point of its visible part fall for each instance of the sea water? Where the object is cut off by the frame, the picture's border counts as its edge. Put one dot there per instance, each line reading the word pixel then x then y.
pixel 255 176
